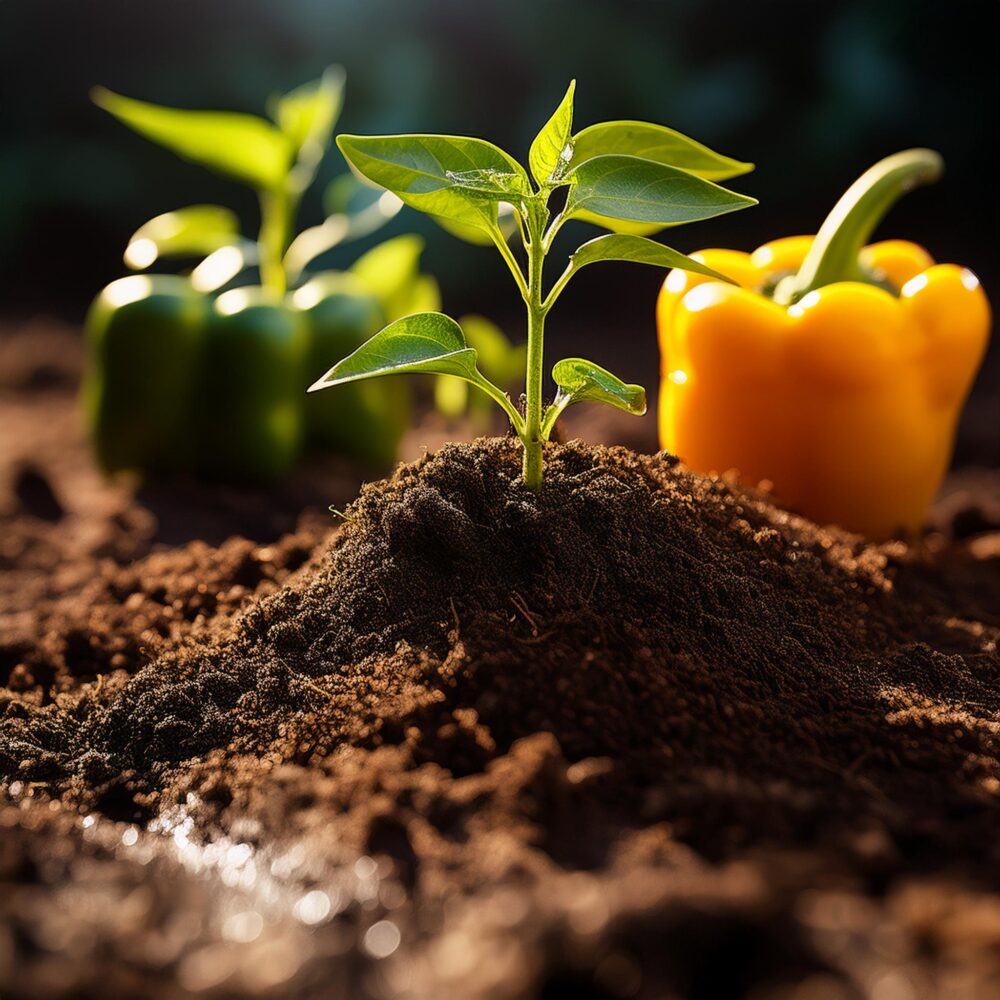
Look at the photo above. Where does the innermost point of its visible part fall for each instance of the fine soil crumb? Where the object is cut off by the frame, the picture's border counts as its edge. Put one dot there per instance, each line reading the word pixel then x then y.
pixel 642 734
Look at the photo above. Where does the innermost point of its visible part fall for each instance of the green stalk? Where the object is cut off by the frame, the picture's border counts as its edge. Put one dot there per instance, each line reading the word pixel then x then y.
pixel 834 253
pixel 532 438
pixel 276 211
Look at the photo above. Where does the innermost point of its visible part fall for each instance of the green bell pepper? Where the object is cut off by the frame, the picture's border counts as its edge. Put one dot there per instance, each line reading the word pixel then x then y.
pixel 368 419
pixel 145 337
pixel 251 387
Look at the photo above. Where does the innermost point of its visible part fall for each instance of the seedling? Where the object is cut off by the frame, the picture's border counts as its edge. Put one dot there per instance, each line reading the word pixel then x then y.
pixel 278 158
pixel 633 178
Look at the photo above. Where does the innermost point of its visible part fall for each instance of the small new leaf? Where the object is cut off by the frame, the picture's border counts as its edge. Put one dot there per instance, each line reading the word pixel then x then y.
pixel 582 381
pixel 657 143
pixel 636 190
pixel 617 246
pixel 552 150
pixel 425 342
pixel 241 146
pixel 193 231
pixel 453 177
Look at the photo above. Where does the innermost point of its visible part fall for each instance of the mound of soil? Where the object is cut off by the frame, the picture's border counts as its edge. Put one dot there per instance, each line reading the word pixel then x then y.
pixel 641 734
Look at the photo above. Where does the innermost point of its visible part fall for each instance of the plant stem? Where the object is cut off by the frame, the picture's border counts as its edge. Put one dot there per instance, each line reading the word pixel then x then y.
pixel 276 210
pixel 532 439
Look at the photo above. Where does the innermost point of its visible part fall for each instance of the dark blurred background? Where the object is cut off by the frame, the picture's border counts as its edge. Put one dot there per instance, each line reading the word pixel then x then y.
pixel 812 92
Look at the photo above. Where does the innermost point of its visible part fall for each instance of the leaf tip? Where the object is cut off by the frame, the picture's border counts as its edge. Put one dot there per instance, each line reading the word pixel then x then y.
pixel 334 76
pixel 102 97
pixel 320 383
pixel 738 168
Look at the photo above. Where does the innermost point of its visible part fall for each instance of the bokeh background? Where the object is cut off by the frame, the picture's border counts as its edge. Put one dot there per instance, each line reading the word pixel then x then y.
pixel 812 92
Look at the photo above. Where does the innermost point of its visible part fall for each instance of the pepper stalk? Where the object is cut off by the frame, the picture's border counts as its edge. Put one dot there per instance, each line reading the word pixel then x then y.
pixel 834 254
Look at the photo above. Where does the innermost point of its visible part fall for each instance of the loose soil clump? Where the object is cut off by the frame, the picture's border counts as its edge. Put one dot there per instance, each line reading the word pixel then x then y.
pixel 653 709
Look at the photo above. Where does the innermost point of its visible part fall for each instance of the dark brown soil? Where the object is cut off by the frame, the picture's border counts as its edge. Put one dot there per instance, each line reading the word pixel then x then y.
pixel 641 735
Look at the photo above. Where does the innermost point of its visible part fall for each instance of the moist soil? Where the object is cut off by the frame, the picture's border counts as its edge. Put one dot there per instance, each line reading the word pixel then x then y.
pixel 641 735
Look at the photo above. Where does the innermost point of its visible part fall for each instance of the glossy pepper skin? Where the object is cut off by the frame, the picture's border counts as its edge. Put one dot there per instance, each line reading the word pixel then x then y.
pixel 145 337
pixel 177 382
pixel 365 420
pixel 251 423
pixel 845 400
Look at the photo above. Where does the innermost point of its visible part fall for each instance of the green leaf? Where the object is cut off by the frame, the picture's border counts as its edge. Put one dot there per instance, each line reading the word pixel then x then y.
pixel 635 190
pixel 617 225
pixel 307 114
pixel 451 396
pixel 423 295
pixel 241 146
pixel 506 223
pixel 346 195
pixel 224 264
pixel 552 150
pixel 389 271
pixel 312 242
pixel 355 210
pixel 425 342
pixel 454 177
pixel 193 231
pixel 498 357
pixel 649 142
pixel 657 143
pixel 581 381
pixel 616 246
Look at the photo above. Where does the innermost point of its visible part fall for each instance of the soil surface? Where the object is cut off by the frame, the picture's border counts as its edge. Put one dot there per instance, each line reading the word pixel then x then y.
pixel 642 735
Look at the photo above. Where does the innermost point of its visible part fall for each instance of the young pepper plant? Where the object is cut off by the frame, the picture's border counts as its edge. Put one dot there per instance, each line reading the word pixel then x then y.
pixel 622 175
pixel 279 159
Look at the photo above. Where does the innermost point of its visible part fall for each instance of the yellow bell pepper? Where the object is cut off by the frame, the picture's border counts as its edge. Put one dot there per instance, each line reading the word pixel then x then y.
pixel 834 371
